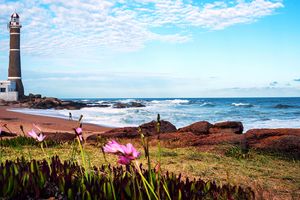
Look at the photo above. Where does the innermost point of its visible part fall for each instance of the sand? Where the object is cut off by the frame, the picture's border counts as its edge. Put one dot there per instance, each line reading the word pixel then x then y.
pixel 13 120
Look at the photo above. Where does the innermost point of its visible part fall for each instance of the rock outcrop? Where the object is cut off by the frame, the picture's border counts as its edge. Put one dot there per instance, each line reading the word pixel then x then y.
pixel 49 102
pixel 126 132
pixel 198 128
pixel 227 127
pixel 280 140
pixel 150 128
pixel 60 137
pixel 128 105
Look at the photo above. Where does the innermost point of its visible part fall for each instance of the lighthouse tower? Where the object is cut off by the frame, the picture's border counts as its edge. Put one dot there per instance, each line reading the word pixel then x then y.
pixel 14 69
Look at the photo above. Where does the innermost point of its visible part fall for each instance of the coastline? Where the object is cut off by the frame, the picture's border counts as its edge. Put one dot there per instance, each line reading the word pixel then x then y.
pixel 47 124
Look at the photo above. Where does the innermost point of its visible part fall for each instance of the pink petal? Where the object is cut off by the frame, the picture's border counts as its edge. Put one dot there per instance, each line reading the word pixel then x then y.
pixel 113 147
pixel 41 137
pixel 32 134
pixel 78 130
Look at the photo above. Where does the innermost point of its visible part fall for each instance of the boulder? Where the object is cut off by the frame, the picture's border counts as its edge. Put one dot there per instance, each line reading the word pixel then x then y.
pixel 198 128
pixel 279 140
pixel 227 127
pixel 126 132
pixel 150 128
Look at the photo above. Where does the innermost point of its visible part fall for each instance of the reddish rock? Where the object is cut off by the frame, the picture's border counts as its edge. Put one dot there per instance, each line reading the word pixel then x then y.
pixel 227 127
pixel 150 128
pixel 127 132
pixel 184 139
pixel 281 140
pixel 198 128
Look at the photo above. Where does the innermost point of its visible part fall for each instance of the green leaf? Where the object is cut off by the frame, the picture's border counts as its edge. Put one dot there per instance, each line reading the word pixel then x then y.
pixel 70 194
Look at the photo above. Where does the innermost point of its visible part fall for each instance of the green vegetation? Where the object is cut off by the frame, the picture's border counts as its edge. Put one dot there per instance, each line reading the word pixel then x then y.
pixel 266 174
pixel 18 142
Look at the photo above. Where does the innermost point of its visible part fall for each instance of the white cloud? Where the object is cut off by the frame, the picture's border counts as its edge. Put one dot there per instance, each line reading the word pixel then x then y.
pixel 56 26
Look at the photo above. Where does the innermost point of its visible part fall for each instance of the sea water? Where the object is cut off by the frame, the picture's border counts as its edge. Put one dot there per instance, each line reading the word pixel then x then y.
pixel 252 112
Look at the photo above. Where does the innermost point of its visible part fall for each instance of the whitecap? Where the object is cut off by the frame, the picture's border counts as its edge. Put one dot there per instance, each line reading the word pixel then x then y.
pixel 245 105
pixel 207 104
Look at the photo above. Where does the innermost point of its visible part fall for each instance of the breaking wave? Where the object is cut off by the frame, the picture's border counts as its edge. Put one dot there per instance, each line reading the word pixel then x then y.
pixel 245 105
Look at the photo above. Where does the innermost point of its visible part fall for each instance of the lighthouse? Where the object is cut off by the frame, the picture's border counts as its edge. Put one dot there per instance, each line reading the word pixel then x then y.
pixel 14 69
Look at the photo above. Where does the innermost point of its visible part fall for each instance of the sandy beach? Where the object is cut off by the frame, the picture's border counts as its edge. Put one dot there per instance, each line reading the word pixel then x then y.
pixel 14 120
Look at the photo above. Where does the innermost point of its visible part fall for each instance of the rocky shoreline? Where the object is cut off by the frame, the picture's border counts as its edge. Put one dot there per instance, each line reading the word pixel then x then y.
pixel 36 101
pixel 282 140
pixel 202 133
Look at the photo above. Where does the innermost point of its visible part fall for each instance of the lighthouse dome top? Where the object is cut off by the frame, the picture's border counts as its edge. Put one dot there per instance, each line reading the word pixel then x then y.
pixel 15 15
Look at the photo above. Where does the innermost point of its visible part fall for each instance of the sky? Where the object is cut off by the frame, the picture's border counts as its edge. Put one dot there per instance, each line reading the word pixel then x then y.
pixel 156 48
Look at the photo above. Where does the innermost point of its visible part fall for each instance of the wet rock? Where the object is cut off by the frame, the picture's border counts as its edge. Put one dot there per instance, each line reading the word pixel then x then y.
pixel 198 128
pixel 227 127
pixel 128 105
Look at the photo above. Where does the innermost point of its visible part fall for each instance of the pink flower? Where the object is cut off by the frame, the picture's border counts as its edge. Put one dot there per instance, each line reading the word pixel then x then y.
pixel 113 147
pixel 41 137
pixel 78 132
pixel 0 131
pixel 126 153
pixel 130 151
pixel 33 134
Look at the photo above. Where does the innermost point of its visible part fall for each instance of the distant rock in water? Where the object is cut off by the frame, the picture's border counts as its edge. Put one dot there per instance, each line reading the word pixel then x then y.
pixel 128 105
pixel 283 106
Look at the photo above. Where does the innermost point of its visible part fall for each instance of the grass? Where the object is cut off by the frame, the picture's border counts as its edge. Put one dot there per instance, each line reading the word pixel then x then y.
pixel 268 175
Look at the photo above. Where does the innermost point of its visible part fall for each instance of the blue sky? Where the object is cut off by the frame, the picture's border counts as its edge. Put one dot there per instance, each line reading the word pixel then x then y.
pixel 155 48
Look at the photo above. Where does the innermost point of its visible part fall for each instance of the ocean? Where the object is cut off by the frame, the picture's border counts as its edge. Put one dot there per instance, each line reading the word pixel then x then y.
pixel 252 112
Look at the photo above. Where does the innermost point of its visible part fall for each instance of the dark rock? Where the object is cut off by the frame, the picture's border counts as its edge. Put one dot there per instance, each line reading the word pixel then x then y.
pixel 60 137
pixel 136 105
pixel 227 127
pixel 150 128
pixel 120 105
pixel 7 134
pixel 128 105
pixel 198 128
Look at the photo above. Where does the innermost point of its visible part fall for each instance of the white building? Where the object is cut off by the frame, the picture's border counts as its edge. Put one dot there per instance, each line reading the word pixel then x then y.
pixel 8 91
